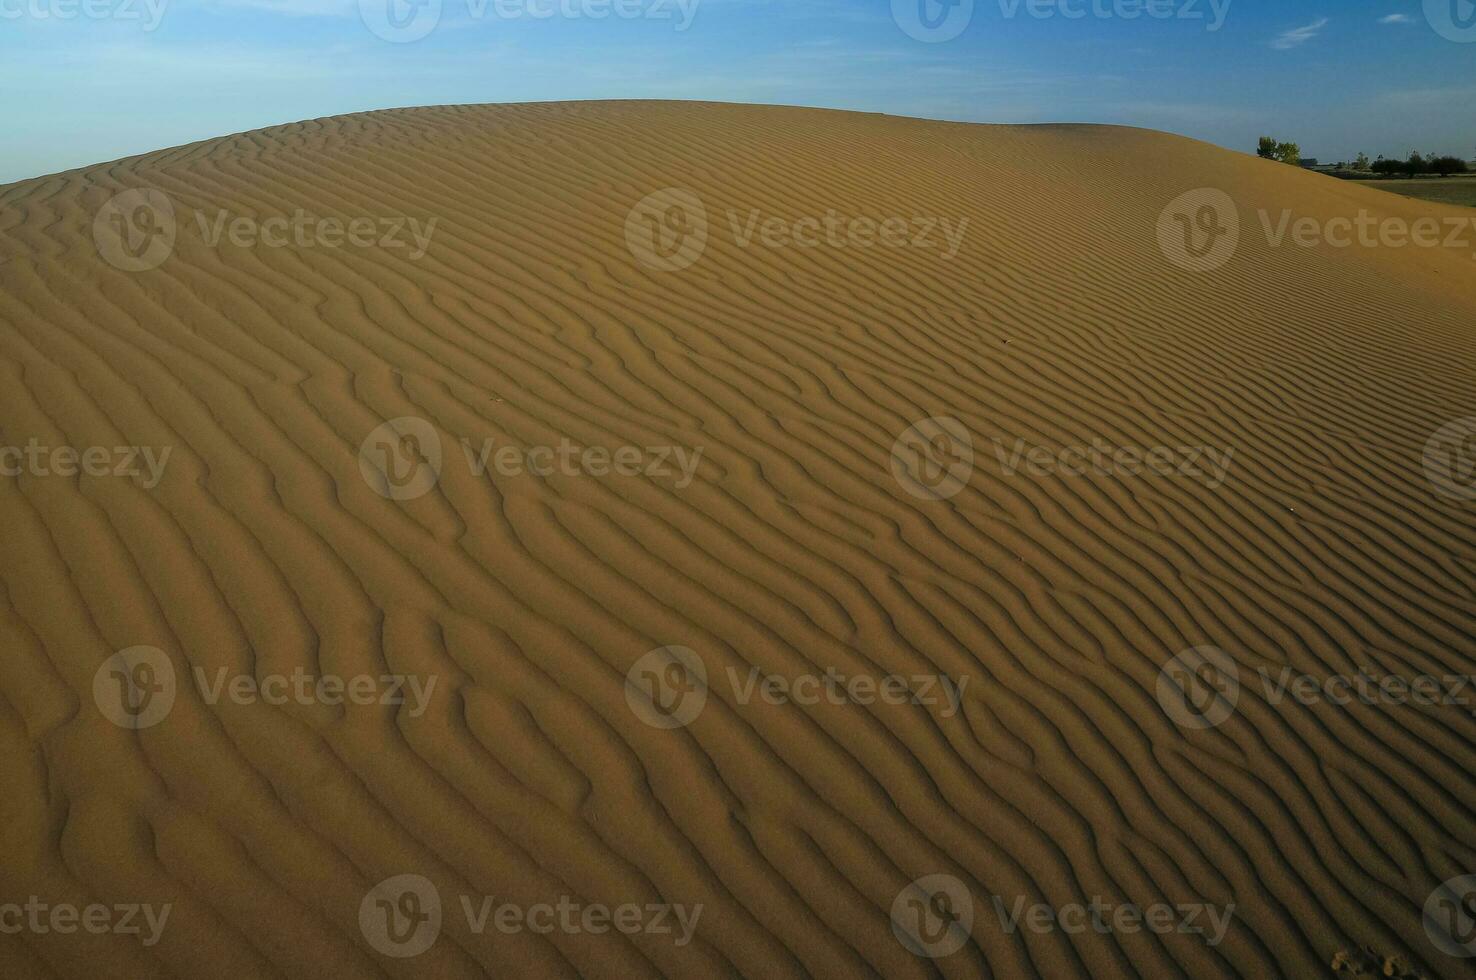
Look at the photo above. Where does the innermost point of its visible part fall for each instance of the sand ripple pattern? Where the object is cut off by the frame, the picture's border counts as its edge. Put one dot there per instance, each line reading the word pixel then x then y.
pixel 793 550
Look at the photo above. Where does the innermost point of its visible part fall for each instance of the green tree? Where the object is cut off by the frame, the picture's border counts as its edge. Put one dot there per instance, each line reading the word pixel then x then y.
pixel 1445 166
pixel 1270 149
pixel 1362 162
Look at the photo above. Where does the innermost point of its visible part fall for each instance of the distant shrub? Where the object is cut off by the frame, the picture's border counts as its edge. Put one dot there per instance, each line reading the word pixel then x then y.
pixel 1445 166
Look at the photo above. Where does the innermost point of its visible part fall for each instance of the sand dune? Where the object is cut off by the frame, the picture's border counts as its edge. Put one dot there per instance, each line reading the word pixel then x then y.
pixel 1006 440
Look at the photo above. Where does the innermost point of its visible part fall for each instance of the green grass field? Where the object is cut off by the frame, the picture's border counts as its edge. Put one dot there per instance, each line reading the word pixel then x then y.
pixel 1449 190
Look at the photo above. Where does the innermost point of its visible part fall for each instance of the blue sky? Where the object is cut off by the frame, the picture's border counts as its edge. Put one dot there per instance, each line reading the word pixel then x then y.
pixel 92 80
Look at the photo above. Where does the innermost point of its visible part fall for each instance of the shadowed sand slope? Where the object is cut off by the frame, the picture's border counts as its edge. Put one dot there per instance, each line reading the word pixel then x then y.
pixel 862 628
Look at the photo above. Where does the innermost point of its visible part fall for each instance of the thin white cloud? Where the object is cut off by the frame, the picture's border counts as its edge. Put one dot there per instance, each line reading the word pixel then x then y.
pixel 1429 98
pixel 1298 36
pixel 1397 19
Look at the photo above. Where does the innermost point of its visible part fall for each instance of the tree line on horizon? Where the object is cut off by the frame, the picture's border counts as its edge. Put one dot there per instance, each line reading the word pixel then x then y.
pixel 1271 149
